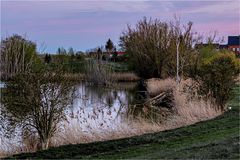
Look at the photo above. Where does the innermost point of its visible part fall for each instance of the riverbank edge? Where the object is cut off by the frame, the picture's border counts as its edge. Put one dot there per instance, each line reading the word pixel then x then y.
pixel 116 77
pixel 216 138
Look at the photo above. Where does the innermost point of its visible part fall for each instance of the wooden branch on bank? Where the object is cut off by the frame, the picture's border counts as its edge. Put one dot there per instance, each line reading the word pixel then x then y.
pixel 163 98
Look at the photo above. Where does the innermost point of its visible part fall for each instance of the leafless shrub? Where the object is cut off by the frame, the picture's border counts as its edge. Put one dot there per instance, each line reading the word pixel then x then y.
pixel 36 102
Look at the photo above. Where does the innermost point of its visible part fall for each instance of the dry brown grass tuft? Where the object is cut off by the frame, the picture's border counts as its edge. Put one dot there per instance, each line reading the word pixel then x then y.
pixel 4 153
pixel 27 144
pixel 192 110
pixel 8 149
pixel 157 86
pixel 189 105
pixel 73 133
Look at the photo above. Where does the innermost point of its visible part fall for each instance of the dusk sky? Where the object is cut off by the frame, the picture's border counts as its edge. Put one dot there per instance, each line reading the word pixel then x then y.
pixel 87 24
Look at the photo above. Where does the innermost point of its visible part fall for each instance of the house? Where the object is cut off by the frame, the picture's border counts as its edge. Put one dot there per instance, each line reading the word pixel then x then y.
pixel 234 44
pixel 111 56
pixel 118 56
pixel 120 53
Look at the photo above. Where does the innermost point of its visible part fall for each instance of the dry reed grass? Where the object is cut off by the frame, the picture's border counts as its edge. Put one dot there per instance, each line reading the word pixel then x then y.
pixel 9 147
pixel 192 110
pixel 156 86
pixel 74 134
pixel 190 107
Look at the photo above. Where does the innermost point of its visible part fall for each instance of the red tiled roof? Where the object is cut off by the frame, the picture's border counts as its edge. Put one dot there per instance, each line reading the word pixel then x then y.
pixel 120 52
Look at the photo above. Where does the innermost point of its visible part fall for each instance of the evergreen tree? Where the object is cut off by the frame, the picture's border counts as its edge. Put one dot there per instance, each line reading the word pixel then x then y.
pixel 99 54
pixel 109 46
pixel 47 58
pixel 71 51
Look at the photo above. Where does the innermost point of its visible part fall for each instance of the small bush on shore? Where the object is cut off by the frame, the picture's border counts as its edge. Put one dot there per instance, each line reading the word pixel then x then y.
pixel 216 73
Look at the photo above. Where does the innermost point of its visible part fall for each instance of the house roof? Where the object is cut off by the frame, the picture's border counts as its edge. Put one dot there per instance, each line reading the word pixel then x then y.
pixel 234 40
pixel 120 52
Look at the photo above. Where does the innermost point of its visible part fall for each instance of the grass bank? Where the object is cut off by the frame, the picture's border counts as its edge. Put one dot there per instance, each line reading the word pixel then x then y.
pixel 216 138
pixel 116 77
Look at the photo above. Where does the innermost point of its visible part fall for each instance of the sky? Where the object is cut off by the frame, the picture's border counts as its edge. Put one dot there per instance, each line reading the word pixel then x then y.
pixel 88 24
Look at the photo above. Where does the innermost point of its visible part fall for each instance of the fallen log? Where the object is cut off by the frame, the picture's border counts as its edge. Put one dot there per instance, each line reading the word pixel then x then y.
pixel 164 99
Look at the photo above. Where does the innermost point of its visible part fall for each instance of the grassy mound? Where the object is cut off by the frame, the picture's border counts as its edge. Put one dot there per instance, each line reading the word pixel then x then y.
pixel 216 138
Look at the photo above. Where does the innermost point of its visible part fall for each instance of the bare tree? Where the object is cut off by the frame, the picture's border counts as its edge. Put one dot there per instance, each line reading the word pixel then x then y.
pixel 36 102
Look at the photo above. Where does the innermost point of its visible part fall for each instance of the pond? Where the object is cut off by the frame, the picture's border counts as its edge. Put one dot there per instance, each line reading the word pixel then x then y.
pixel 99 107
pixel 1 84
pixel 102 104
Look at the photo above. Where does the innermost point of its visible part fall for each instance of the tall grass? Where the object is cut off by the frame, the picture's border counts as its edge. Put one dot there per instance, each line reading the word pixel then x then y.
pixel 190 107
pixel 157 86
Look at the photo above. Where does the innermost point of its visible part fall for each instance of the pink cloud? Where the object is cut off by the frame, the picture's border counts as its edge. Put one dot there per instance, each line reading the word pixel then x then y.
pixel 221 27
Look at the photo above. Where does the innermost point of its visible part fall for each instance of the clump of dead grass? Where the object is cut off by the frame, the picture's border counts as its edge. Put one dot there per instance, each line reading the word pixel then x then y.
pixel 190 107
pixel 157 86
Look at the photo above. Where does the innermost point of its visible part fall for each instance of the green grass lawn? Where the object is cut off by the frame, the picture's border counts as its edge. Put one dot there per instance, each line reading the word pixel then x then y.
pixel 216 138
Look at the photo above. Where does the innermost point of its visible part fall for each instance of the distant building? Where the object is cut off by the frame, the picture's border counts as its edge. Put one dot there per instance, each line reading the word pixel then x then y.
pixel 120 53
pixel 223 46
pixel 234 44
pixel 202 45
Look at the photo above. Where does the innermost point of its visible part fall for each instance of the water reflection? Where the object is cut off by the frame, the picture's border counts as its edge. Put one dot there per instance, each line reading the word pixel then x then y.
pixel 97 106
pixel 1 84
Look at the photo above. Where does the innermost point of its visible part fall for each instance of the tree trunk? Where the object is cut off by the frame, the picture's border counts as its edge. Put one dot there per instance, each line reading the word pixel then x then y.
pixel 44 143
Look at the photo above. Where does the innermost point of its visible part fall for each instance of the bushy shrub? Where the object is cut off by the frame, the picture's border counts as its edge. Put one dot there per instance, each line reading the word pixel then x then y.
pixel 217 74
